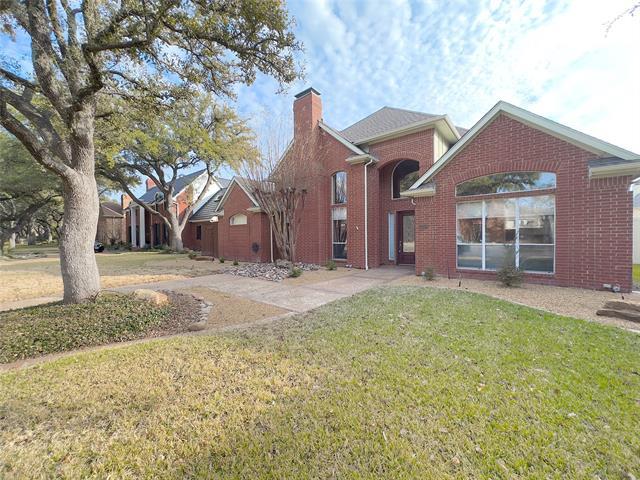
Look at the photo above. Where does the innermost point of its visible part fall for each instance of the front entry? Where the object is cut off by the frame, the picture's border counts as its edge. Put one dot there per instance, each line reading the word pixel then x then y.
pixel 406 254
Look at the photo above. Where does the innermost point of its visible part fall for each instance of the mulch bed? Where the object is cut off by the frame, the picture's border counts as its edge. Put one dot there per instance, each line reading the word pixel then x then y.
pixel 185 310
pixel 267 271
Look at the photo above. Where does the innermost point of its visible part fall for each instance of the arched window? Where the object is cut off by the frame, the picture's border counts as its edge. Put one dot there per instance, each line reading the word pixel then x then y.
pixel 506 182
pixel 405 174
pixel 238 219
pixel 339 188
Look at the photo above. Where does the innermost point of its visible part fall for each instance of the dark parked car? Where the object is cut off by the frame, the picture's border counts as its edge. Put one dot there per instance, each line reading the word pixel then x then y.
pixel 98 247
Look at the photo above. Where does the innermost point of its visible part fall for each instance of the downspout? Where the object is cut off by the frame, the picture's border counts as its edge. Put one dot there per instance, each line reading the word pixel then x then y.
pixel 271 239
pixel 366 216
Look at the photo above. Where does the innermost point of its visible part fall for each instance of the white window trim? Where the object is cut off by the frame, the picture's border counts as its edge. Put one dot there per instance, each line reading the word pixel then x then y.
pixel 391 226
pixel 517 243
pixel 238 215
pixel 333 188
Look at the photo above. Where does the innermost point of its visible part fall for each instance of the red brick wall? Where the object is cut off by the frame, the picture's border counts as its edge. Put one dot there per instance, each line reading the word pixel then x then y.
pixel 416 146
pixel 593 217
pixel 208 243
pixel 235 241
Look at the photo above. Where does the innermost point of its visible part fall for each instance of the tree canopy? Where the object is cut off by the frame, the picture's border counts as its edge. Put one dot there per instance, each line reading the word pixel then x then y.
pixel 164 145
pixel 148 52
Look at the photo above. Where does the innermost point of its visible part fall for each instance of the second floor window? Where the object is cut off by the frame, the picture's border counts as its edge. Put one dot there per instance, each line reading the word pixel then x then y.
pixel 404 175
pixel 339 188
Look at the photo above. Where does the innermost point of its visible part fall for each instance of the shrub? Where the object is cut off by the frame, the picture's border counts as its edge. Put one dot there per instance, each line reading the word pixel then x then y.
pixel 235 263
pixel 192 254
pixel 221 259
pixel 331 265
pixel 295 272
pixel 429 274
pixel 510 275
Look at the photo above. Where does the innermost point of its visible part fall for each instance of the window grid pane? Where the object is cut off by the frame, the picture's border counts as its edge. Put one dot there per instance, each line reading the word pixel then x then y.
pixel 525 224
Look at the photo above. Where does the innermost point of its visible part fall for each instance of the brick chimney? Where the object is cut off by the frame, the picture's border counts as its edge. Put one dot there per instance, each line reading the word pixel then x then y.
pixel 125 200
pixel 150 184
pixel 307 111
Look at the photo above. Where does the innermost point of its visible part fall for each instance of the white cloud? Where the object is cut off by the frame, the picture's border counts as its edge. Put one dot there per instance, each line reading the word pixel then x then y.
pixel 553 58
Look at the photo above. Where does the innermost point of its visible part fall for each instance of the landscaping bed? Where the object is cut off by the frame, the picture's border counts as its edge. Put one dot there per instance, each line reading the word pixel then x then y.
pixel 404 382
pixel 267 271
pixel 52 328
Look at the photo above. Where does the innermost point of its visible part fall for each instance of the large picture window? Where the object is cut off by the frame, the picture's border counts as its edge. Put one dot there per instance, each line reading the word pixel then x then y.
pixel 405 174
pixel 339 188
pixel 339 233
pixel 507 182
pixel 491 232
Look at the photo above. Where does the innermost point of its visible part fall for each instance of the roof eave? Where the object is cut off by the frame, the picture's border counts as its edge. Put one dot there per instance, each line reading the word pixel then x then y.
pixel 620 170
pixel 420 192
pixel 555 129
pixel 340 138
pixel 358 159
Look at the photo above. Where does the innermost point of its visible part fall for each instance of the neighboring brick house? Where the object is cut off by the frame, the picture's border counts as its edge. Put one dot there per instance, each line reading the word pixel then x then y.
pixel 146 229
pixel 515 186
pixel 111 228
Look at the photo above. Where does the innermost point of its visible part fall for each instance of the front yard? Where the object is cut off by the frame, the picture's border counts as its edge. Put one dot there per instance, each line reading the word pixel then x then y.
pixel 24 279
pixel 403 382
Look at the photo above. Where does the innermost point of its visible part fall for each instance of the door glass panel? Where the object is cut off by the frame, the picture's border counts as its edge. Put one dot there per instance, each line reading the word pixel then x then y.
pixel 408 234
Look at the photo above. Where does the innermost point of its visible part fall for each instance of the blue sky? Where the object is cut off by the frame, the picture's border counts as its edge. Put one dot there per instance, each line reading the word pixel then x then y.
pixel 554 58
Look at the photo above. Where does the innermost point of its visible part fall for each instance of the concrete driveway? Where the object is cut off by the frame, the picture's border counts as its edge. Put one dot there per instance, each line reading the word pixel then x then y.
pixel 288 296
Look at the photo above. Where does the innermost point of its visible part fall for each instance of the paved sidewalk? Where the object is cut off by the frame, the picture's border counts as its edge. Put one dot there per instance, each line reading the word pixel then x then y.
pixel 295 298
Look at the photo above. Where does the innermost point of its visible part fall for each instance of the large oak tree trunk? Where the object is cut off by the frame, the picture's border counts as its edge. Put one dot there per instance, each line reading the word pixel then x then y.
pixel 175 236
pixel 77 258
pixel 80 221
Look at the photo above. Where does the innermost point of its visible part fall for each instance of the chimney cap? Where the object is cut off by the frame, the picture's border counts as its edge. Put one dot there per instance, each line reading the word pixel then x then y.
pixel 306 92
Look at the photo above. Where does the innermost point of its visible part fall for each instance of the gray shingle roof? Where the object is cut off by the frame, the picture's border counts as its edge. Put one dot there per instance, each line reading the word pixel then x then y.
pixel 607 162
pixel 207 210
pixel 384 120
pixel 111 209
pixel 181 183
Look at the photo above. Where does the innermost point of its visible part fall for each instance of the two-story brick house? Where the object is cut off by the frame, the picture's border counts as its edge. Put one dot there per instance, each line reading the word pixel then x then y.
pixel 405 187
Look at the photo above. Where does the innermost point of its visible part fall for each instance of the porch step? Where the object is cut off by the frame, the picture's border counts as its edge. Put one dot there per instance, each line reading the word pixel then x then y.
pixel 619 309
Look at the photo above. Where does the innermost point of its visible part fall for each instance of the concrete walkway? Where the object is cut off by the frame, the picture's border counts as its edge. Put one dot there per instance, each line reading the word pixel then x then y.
pixel 292 297
pixel 295 298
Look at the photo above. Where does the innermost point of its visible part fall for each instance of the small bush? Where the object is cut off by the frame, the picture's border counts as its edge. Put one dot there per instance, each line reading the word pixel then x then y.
pixel 510 275
pixel 429 274
pixel 235 263
pixel 295 272
pixel 221 259
pixel 192 254
pixel 331 265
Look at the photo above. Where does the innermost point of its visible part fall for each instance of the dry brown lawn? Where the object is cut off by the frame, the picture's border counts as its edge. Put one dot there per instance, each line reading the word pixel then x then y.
pixel 25 279
pixel 231 310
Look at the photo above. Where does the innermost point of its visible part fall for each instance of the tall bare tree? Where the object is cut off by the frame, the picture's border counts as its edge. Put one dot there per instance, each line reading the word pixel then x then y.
pixel 142 50
pixel 280 182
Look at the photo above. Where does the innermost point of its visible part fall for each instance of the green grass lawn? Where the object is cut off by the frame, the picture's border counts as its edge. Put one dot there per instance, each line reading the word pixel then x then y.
pixel 393 383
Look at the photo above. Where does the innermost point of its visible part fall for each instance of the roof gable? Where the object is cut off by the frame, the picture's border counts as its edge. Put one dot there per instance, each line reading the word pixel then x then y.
pixel 389 122
pixel 555 129
pixel 381 121
pixel 240 182
pixel 209 208
pixel 181 183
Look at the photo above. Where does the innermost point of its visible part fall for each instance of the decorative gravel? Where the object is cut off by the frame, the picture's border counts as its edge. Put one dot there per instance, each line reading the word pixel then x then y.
pixel 267 271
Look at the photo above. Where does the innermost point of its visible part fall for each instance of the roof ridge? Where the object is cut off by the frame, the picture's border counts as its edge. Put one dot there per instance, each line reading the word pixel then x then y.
pixel 362 119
